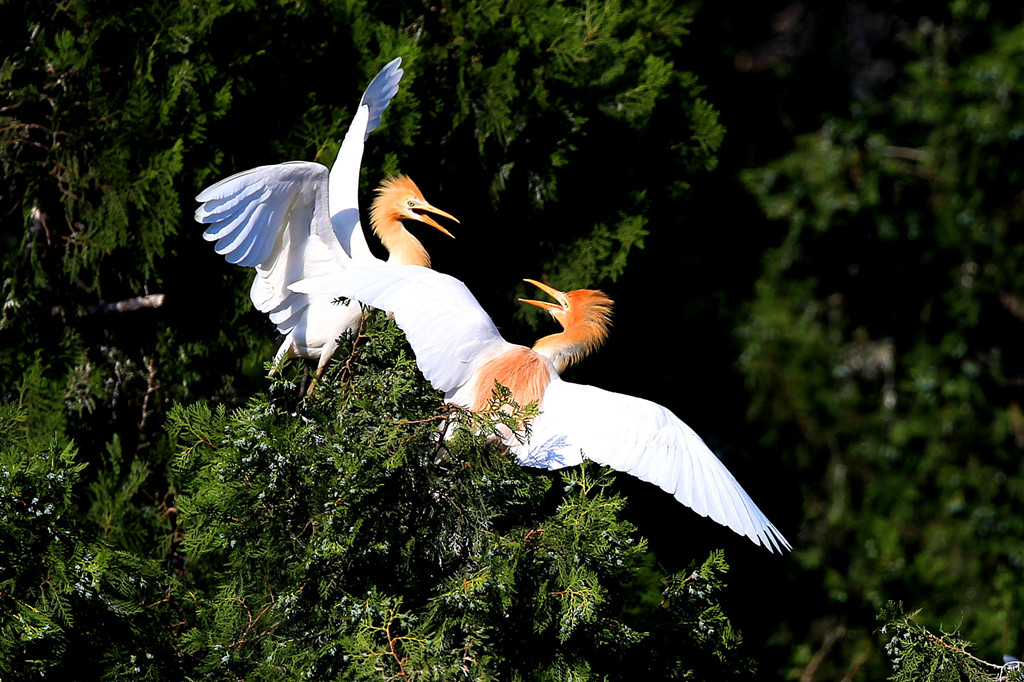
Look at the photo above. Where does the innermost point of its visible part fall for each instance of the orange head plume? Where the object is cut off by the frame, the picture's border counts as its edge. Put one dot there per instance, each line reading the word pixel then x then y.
pixel 398 198
pixel 585 316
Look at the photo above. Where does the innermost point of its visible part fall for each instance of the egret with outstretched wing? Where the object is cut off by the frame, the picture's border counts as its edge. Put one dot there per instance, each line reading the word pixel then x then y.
pixel 461 353
pixel 295 220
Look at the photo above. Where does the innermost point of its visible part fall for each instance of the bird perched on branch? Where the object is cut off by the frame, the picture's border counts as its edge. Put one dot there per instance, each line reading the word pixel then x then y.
pixel 297 219
pixel 461 353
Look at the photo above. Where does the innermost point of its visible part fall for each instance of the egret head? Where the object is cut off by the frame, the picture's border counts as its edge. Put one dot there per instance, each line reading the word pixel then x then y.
pixel 399 198
pixel 585 316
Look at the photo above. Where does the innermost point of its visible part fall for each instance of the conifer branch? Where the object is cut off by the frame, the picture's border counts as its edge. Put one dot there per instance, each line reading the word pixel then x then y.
pixel 253 621
pixel 960 649
pixel 347 368
pixel 147 409
pixel 425 420
pixel 394 652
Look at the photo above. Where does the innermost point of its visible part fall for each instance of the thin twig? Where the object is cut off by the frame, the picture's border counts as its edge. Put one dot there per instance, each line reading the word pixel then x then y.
pixel 125 306
pixel 941 641
pixel 151 388
pixel 394 652
pixel 1013 304
pixel 908 153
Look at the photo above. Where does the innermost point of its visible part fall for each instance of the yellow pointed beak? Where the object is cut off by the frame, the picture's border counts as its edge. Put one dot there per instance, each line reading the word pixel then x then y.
pixel 423 217
pixel 563 301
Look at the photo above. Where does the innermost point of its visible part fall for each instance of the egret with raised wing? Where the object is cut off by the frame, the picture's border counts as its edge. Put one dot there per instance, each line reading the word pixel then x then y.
pixel 295 220
pixel 461 353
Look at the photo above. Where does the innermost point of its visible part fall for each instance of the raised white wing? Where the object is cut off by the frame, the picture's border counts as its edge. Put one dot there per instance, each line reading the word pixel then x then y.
pixel 448 330
pixel 648 441
pixel 274 218
pixel 344 199
pixel 296 220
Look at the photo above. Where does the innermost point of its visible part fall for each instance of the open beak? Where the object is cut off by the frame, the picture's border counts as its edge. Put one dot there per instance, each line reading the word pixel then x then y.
pixel 563 301
pixel 424 206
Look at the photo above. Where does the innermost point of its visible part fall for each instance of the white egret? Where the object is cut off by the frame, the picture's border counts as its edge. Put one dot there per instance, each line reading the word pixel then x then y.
pixel 297 219
pixel 461 353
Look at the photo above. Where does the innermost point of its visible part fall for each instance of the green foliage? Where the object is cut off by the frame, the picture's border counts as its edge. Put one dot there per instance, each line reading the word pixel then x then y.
pixel 111 121
pixel 691 599
pixel 540 100
pixel 115 507
pixel 335 536
pixel 77 104
pixel 917 654
pixel 881 346
pixel 105 113
pixel 72 605
pixel 266 536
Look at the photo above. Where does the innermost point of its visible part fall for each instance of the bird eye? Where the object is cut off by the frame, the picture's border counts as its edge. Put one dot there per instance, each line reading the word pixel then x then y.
pixel 412 203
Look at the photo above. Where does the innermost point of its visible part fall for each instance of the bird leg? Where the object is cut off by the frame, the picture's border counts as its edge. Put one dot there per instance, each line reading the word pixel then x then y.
pixel 285 349
pixel 325 356
pixel 312 384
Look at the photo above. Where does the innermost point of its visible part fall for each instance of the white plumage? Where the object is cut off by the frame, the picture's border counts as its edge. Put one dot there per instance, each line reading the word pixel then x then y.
pixel 295 220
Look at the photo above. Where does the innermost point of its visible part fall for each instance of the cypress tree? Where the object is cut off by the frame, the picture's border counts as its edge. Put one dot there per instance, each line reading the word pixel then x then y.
pixel 164 514
pixel 337 536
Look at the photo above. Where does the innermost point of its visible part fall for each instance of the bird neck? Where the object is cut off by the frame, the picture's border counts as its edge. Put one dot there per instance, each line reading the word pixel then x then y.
pixel 563 349
pixel 585 328
pixel 386 223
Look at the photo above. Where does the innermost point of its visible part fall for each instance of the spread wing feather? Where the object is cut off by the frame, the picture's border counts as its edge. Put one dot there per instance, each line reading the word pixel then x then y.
pixel 274 218
pixel 646 440
pixel 380 92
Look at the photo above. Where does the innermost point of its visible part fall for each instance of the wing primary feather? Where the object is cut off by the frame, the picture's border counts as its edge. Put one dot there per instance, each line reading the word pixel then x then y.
pixel 222 208
pixel 229 245
pixel 224 223
pixel 274 212
pixel 644 439
pixel 379 93
pixel 221 194
pixel 261 241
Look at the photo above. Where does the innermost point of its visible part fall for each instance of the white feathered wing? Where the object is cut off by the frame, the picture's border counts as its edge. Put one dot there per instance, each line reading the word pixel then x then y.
pixel 297 220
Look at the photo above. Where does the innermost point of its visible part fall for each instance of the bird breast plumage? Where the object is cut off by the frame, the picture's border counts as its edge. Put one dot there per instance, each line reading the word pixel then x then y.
pixel 525 373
